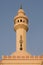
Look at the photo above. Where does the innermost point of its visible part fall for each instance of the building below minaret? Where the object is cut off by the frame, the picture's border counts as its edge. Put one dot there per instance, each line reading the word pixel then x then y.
pixel 21 56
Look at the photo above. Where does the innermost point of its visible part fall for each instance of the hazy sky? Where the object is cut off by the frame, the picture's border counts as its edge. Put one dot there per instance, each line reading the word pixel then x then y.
pixel 34 11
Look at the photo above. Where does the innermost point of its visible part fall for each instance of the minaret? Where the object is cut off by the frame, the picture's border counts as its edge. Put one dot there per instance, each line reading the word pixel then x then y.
pixel 21 27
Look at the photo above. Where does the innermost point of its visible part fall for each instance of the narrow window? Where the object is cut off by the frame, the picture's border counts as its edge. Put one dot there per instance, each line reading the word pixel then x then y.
pixel 21 43
pixel 21 20
pixel 18 20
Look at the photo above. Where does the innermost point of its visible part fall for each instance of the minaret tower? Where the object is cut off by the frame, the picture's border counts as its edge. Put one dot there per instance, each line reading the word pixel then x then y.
pixel 21 27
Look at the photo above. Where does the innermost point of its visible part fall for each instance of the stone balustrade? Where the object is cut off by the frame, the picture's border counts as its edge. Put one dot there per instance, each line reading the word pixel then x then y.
pixel 23 57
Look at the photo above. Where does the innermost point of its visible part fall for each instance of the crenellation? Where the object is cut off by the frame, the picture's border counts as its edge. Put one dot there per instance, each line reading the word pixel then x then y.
pixel 0 62
pixel 40 56
pixel 4 57
pixel 27 57
pixel 36 57
pixel 31 56
pixel 23 57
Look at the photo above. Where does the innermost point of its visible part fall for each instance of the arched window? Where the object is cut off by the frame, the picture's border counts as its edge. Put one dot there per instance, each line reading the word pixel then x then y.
pixel 20 20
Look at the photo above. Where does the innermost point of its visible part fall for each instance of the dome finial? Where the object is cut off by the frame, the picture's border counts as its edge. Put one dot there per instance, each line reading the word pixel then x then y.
pixel 21 6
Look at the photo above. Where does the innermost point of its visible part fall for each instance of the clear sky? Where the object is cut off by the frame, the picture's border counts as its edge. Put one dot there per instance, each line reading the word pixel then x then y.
pixel 34 11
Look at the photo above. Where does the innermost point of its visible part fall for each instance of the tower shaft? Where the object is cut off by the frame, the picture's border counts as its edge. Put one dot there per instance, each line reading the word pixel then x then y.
pixel 20 39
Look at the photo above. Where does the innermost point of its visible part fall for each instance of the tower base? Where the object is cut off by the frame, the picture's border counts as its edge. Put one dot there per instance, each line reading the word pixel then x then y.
pixel 21 58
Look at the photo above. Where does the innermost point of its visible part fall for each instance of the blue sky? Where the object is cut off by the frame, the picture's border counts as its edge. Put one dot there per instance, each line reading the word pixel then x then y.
pixel 34 11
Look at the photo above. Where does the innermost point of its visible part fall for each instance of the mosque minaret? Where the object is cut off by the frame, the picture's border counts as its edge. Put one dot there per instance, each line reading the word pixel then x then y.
pixel 21 56
pixel 21 27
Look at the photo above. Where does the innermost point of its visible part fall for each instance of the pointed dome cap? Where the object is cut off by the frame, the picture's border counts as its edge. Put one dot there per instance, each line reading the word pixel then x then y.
pixel 20 14
pixel 21 10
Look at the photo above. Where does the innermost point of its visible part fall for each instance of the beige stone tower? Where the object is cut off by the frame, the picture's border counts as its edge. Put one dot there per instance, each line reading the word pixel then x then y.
pixel 21 56
pixel 21 27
